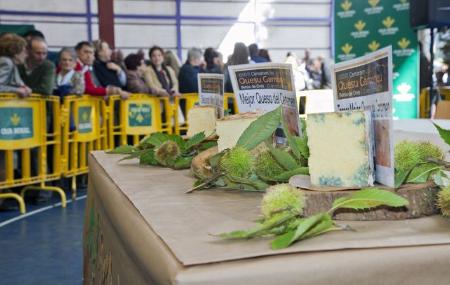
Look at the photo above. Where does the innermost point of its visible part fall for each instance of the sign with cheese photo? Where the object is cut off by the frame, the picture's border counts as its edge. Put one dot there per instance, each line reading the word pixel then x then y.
pixel 264 87
pixel 365 83
pixel 210 91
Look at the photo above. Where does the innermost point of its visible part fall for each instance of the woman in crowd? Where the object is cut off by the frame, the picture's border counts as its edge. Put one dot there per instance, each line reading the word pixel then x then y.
pixel 107 72
pixel 170 59
pixel 68 81
pixel 265 54
pixel 240 56
pixel 12 53
pixel 158 76
pixel 212 61
pixel 135 71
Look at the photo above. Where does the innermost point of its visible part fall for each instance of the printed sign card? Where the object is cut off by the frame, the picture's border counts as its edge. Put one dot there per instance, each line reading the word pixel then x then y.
pixel 264 87
pixel 19 124
pixel 365 83
pixel 210 91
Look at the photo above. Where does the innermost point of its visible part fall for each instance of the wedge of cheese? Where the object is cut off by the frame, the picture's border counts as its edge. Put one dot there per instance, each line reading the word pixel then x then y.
pixel 341 149
pixel 201 119
pixel 230 128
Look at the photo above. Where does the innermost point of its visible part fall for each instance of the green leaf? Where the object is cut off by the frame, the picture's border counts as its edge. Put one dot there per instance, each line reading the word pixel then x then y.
pixel 369 198
pixel 206 145
pixel 195 140
pixel 148 158
pixel 133 155
pixel 215 160
pixel 298 145
pixel 284 158
pixel 303 227
pixel 260 129
pixel 421 174
pixel 322 227
pixel 255 182
pixel 261 229
pixel 400 177
pixel 155 139
pixel 182 162
pixel 445 134
pixel 178 140
pixel 284 177
pixel 123 149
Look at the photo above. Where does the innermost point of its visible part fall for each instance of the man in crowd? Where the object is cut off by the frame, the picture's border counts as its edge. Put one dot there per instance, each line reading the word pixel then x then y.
pixel 254 54
pixel 187 78
pixel 38 72
pixel 85 54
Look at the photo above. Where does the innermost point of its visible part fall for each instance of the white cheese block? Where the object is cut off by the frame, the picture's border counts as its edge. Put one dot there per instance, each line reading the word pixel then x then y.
pixel 201 119
pixel 230 128
pixel 341 149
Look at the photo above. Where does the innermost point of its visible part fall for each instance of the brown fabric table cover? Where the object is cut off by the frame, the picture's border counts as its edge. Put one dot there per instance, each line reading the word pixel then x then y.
pixel 141 228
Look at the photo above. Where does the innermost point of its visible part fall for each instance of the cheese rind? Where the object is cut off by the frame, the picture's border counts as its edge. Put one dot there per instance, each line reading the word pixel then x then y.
pixel 201 119
pixel 341 149
pixel 230 128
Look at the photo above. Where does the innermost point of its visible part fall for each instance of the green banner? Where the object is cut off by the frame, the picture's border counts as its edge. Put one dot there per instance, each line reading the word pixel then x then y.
pixel 16 123
pixel 85 119
pixel 139 115
pixel 364 26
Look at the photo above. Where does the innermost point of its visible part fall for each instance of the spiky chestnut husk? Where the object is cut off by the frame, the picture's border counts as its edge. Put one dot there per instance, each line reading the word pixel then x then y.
pixel 266 166
pixel 429 150
pixel 443 201
pixel 167 153
pixel 406 155
pixel 281 197
pixel 238 162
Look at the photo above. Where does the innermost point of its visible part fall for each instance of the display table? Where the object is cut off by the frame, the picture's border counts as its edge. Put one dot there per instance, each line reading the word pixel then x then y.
pixel 141 228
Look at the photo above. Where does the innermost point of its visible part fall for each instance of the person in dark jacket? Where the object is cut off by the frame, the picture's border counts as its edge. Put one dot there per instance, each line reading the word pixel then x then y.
pixel 254 54
pixel 187 79
pixel 107 72
pixel 212 59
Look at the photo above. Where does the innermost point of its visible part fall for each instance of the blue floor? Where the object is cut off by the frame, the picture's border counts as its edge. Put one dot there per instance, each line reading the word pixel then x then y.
pixel 44 247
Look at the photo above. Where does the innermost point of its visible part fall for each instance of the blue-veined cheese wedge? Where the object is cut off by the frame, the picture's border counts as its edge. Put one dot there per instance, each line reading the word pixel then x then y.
pixel 341 149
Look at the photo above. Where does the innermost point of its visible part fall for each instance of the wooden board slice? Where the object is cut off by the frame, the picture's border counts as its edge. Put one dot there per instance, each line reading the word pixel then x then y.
pixel 421 197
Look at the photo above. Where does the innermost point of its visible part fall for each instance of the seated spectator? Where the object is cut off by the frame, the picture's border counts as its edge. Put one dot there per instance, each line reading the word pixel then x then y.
pixel 254 54
pixel 170 59
pixel 68 81
pixel 212 60
pixel 13 52
pixel 85 54
pixel 105 71
pixel 158 76
pixel 264 53
pixel 191 68
pixel 135 71
pixel 38 72
pixel 239 56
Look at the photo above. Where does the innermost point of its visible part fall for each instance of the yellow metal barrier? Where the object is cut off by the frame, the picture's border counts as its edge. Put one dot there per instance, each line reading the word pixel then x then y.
pixel 132 119
pixel 188 100
pixel 84 129
pixel 30 142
